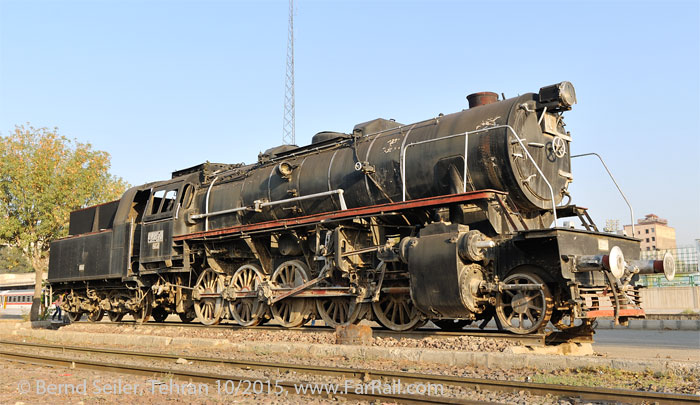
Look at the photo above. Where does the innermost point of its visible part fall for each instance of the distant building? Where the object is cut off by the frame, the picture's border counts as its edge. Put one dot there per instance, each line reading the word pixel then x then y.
pixel 15 281
pixel 654 233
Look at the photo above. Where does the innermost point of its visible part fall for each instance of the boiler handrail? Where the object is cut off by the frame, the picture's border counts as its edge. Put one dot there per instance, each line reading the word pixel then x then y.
pixel 466 145
pixel 264 204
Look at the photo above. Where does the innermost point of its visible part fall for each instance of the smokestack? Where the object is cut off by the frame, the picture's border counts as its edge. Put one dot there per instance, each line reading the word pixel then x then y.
pixel 482 98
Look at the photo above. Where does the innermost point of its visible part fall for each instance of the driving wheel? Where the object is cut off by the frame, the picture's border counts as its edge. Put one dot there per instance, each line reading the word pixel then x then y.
pixel 397 312
pixel 209 309
pixel 247 311
pixel 290 312
pixel 339 311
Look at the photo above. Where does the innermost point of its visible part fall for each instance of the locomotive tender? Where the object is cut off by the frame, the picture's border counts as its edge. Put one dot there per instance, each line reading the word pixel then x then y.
pixel 451 219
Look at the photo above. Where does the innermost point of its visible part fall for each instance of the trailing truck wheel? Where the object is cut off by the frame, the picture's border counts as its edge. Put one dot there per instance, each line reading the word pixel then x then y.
pixel 339 311
pixel 74 316
pixel 159 314
pixel 209 309
pixel 290 312
pixel 397 312
pixel 143 313
pixel 451 325
pixel 115 316
pixel 187 317
pixel 247 311
pixel 96 315
pixel 524 311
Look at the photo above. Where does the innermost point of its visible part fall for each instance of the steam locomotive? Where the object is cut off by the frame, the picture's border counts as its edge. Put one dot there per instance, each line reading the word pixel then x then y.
pixel 451 219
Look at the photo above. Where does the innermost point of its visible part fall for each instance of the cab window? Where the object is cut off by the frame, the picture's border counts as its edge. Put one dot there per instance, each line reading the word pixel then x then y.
pixel 163 202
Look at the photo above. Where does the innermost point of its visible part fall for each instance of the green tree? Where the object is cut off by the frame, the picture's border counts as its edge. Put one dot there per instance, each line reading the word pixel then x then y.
pixel 43 177
pixel 13 261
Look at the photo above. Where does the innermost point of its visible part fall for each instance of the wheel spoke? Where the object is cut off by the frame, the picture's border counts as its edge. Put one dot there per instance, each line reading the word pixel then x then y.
pixel 530 316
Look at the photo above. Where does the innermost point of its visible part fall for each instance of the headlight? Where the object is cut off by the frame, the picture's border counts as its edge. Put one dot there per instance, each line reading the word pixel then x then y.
pixel 558 95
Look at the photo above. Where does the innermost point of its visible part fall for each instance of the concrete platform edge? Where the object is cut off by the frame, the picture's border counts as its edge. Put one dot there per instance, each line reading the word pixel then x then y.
pixel 446 357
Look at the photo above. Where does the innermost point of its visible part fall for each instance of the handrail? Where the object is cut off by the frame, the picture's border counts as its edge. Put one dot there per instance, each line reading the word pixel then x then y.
pixel 206 204
pixel 466 136
pixel 338 191
pixel 614 181
pixel 260 204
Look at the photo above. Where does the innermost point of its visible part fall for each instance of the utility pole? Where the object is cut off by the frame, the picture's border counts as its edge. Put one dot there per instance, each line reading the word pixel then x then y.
pixel 288 136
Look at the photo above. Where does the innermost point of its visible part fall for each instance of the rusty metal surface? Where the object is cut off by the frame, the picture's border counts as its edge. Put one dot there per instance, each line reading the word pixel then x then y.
pixel 482 98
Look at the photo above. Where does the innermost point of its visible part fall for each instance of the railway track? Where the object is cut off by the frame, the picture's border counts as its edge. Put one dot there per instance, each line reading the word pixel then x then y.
pixel 559 391
pixel 535 339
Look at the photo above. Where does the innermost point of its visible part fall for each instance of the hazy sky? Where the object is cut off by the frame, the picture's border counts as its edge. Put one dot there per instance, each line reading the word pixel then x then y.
pixel 163 85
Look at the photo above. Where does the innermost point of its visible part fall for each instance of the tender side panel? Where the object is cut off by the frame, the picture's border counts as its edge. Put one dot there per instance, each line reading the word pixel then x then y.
pixel 93 219
pixel 81 221
pixel 120 249
pixel 82 257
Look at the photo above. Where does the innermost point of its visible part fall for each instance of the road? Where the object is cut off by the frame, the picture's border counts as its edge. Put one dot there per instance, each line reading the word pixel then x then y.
pixel 637 344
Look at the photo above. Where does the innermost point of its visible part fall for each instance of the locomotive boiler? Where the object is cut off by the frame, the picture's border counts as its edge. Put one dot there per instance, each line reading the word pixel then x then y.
pixel 451 219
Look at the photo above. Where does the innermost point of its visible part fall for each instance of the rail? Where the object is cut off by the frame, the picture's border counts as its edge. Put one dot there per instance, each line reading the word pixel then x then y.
pixel 615 182
pixel 583 392
pixel 466 148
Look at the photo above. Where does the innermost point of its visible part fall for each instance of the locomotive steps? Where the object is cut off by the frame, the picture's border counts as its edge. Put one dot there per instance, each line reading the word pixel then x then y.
pixel 539 358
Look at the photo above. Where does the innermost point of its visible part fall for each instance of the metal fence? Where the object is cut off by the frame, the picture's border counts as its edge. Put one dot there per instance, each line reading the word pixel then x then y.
pixel 658 280
pixel 687 271
pixel 686 258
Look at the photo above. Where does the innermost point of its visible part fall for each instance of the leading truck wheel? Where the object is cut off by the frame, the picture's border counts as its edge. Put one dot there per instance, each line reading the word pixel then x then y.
pixel 209 309
pixel 524 311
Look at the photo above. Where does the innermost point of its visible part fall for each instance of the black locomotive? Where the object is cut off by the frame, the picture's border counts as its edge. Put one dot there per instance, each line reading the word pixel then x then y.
pixel 449 219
